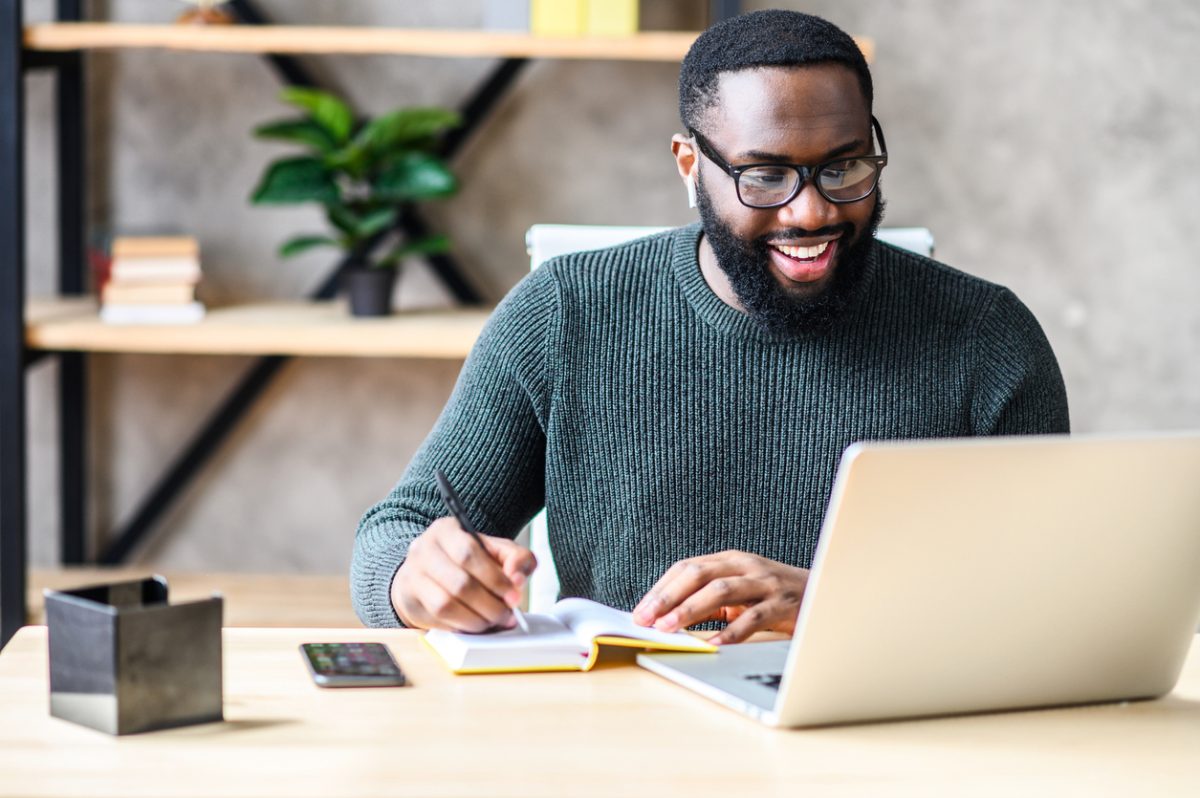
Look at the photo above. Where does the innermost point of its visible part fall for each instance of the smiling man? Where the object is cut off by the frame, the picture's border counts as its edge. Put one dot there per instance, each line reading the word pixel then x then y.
pixel 679 404
pixel 765 114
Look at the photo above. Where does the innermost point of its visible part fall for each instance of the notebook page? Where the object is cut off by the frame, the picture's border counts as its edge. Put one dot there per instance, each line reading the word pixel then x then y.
pixel 589 620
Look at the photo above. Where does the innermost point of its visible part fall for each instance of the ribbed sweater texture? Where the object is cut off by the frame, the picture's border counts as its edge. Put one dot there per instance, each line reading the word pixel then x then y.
pixel 655 422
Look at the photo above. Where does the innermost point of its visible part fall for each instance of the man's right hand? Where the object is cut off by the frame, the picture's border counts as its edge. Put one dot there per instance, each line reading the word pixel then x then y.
pixel 449 582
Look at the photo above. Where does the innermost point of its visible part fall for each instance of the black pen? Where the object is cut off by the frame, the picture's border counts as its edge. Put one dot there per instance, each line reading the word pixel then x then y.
pixel 455 506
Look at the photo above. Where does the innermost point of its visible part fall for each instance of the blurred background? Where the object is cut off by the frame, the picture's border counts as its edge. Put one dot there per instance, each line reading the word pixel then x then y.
pixel 1050 147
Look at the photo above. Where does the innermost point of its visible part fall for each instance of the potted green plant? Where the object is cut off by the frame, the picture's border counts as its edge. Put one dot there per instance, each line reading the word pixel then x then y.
pixel 365 173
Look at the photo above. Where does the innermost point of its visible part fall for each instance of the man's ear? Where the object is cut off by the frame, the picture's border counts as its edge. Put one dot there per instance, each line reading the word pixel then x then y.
pixel 684 149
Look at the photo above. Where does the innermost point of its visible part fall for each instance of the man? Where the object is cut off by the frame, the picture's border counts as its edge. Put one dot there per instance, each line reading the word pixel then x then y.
pixel 679 404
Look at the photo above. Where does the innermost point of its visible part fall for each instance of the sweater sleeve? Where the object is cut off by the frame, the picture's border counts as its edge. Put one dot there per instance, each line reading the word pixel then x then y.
pixel 489 440
pixel 1019 389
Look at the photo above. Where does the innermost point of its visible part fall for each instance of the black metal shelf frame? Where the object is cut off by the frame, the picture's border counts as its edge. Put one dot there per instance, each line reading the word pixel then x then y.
pixel 72 382
pixel 12 325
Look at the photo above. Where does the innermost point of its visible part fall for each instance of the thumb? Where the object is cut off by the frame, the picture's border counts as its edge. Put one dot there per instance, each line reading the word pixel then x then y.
pixel 516 561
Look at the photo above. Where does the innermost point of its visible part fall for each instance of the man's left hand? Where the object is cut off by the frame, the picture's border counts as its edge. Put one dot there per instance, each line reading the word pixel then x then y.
pixel 749 592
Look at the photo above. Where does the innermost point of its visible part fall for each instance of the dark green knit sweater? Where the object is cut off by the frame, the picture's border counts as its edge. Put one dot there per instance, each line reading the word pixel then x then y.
pixel 655 422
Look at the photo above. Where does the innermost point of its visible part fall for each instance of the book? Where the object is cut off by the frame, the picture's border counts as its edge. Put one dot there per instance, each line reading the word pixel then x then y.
pixel 153 259
pixel 557 17
pixel 155 247
pixel 154 270
pixel 612 17
pixel 127 293
pixel 567 638
pixel 506 15
pixel 190 313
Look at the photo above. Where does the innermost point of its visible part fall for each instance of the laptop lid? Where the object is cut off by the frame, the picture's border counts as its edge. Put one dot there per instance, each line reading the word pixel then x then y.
pixel 987 574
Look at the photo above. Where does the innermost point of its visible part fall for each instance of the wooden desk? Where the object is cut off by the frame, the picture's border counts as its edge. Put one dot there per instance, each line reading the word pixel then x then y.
pixel 616 730
pixel 250 599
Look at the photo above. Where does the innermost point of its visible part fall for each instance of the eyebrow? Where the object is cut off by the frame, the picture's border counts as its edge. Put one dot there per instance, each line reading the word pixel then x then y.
pixel 760 156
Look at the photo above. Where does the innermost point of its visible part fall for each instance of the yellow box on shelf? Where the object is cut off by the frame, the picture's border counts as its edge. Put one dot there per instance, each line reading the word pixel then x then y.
pixel 612 17
pixel 558 17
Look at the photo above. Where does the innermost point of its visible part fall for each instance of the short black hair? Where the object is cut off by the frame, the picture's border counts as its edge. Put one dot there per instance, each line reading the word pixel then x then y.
pixel 763 39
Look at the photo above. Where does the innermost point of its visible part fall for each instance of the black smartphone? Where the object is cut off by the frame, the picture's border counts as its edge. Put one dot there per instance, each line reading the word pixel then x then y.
pixel 352 665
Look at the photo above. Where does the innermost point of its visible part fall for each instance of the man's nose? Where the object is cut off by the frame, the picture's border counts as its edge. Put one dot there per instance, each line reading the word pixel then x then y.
pixel 808 210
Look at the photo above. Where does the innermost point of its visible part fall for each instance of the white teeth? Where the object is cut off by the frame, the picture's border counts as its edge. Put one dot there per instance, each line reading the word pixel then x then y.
pixel 804 253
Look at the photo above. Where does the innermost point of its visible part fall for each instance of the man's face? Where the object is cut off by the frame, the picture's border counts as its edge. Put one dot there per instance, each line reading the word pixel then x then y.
pixel 803 115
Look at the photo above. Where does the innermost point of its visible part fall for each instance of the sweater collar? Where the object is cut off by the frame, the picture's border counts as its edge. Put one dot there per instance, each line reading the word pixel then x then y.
pixel 713 310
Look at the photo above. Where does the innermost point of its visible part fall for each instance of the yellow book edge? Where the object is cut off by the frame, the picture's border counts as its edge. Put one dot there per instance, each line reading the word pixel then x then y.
pixel 605 640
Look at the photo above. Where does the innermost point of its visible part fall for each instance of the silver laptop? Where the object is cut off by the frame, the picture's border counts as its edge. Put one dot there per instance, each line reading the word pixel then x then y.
pixel 983 574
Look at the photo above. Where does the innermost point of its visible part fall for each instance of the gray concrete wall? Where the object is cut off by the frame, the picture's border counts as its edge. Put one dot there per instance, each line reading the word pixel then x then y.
pixel 1050 146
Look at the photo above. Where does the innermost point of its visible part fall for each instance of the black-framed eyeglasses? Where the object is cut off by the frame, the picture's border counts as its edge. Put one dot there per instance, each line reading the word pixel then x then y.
pixel 771 185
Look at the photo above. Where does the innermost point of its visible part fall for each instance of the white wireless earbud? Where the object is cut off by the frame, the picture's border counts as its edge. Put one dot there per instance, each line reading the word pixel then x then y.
pixel 691 190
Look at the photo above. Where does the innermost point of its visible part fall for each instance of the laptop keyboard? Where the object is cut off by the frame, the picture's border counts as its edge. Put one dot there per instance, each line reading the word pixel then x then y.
pixel 770 680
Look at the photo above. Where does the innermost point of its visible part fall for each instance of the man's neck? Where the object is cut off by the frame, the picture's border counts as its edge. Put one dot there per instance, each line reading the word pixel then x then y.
pixel 714 275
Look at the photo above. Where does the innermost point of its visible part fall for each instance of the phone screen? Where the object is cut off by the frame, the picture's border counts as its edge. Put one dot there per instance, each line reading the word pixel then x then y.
pixel 352 665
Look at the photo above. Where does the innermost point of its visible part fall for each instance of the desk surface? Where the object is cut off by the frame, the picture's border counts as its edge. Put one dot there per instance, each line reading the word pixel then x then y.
pixel 615 730
pixel 251 599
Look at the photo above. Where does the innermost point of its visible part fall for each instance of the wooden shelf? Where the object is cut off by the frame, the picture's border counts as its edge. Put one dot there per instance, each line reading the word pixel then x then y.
pixel 651 46
pixel 274 328
pixel 298 39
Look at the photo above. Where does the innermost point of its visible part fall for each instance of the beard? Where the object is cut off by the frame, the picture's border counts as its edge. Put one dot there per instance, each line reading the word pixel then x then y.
pixel 745 263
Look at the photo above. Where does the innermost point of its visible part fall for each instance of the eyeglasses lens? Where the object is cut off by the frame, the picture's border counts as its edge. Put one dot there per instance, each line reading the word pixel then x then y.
pixel 841 181
pixel 848 180
pixel 767 185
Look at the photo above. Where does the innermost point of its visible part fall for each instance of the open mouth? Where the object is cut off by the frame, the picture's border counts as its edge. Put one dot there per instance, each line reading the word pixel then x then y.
pixel 804 253
pixel 804 264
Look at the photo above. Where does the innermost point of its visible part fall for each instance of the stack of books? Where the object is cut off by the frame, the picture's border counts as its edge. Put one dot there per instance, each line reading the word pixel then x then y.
pixel 152 280
pixel 581 17
pixel 564 17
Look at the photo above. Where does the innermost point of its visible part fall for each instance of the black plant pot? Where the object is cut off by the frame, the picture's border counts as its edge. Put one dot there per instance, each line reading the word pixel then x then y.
pixel 370 291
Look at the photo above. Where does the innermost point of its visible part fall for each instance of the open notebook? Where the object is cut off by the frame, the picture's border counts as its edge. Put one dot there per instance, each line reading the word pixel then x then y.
pixel 566 638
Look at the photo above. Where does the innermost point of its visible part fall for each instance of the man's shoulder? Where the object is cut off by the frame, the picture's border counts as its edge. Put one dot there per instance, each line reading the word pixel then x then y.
pixel 610 280
pixel 917 281
pixel 592 272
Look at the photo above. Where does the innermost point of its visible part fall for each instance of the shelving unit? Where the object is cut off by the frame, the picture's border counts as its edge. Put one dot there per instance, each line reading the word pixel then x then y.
pixel 68 326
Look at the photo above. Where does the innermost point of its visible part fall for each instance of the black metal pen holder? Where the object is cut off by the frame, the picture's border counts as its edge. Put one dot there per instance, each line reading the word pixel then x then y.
pixel 124 661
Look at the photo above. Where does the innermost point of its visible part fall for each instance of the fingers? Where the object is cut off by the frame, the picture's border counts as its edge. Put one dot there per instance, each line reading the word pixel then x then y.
pixel 749 592
pixel 468 570
pixel 682 580
pixel 516 562
pixel 435 608
pixel 709 601
pixel 449 581
pixel 472 579
pixel 776 614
